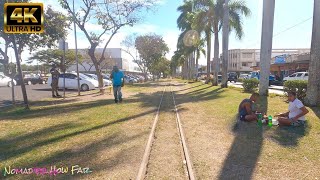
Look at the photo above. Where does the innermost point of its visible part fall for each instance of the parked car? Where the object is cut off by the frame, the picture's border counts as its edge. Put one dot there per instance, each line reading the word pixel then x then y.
pixel 297 76
pixel 272 78
pixel 219 78
pixel 106 82
pixel 71 80
pixel 128 80
pixel 30 79
pixel 232 76
pixel 6 81
pixel 244 76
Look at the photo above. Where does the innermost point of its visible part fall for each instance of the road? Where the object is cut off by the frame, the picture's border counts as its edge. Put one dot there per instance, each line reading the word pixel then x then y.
pixel 35 93
pixel 272 89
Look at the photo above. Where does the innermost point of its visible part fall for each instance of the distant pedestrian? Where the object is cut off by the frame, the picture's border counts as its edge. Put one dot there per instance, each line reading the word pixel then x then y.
pixel 118 82
pixel 55 80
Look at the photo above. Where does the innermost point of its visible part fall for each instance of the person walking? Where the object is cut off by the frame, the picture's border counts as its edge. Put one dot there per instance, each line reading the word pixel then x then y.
pixel 55 80
pixel 118 82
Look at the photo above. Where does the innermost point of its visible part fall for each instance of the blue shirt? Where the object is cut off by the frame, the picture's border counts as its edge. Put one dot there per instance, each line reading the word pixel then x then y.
pixel 117 78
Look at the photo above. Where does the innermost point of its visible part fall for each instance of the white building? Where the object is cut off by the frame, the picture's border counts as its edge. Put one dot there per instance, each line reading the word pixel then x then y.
pixel 113 56
pixel 242 60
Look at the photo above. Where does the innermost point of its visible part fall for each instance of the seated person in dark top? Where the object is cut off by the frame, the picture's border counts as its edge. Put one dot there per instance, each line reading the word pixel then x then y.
pixel 245 108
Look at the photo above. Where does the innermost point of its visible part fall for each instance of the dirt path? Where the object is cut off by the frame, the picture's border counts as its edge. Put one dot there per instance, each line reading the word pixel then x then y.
pixel 166 155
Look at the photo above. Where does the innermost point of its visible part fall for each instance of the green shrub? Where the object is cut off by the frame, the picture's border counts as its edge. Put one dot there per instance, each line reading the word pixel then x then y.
pixel 298 86
pixel 240 80
pixel 250 85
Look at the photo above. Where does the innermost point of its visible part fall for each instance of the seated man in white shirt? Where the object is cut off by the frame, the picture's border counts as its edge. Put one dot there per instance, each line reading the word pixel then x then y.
pixel 296 114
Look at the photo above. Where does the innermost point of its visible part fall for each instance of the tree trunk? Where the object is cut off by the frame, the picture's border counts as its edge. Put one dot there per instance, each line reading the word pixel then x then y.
pixel 225 45
pixel 23 87
pixel 216 61
pixel 208 34
pixel 197 67
pixel 98 69
pixel 266 45
pixel 313 95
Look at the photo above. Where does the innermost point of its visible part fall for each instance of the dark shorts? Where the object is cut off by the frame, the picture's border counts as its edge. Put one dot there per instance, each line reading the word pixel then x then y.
pixel 242 117
pixel 298 123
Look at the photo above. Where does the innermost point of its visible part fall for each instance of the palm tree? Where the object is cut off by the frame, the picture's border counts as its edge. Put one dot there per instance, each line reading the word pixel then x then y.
pixel 191 52
pixel 210 18
pixel 313 95
pixel 266 45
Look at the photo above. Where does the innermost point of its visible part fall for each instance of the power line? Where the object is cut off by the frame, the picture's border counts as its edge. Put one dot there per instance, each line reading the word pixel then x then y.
pixel 292 27
pixel 287 29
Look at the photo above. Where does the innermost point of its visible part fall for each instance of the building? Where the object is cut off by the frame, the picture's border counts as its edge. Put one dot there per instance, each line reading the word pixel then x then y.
pixel 242 60
pixel 285 65
pixel 113 57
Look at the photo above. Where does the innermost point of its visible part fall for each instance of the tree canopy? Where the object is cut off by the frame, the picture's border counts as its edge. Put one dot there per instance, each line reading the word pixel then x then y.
pixel 151 48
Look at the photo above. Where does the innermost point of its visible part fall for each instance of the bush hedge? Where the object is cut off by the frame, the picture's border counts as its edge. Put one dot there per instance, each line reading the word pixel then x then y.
pixel 240 80
pixel 250 85
pixel 298 86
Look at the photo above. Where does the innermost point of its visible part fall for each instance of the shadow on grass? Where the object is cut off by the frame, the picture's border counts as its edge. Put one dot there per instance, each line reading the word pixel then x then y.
pixel 289 136
pixel 21 113
pixel 246 147
pixel 14 147
pixel 94 155
pixel 244 152
pixel 190 88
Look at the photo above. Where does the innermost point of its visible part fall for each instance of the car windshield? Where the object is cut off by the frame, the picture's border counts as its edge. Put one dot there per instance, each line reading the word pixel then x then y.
pixel 293 75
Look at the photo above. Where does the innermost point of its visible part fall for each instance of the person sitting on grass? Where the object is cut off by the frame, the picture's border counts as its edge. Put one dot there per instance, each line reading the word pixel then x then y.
pixel 296 114
pixel 245 109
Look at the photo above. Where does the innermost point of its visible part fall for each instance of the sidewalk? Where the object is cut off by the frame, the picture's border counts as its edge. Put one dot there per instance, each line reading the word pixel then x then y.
pixel 272 89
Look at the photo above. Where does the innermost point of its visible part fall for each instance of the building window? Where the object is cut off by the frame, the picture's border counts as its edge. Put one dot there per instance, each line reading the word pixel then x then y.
pixel 247 55
pixel 244 64
pixel 258 64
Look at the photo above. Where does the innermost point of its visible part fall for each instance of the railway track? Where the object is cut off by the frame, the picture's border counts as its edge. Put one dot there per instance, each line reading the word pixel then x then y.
pixel 185 159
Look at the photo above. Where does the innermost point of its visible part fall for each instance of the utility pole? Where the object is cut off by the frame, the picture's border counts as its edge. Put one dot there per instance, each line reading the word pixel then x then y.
pixel 266 45
pixel 225 45
pixel 313 89
pixel 76 45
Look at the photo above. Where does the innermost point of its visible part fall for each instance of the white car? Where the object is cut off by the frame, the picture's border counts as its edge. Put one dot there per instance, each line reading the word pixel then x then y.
pixel 71 80
pixel 6 81
pixel 106 82
pixel 297 76
pixel 244 76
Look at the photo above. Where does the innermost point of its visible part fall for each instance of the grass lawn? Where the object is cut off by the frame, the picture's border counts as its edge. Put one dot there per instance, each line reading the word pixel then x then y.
pixel 106 137
pixel 110 138
pixel 223 149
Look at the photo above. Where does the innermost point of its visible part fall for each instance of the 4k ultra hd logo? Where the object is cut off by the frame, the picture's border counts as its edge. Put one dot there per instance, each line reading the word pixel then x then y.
pixel 23 18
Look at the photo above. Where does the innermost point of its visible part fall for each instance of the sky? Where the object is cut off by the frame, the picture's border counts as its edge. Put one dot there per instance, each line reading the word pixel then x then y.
pixel 292 26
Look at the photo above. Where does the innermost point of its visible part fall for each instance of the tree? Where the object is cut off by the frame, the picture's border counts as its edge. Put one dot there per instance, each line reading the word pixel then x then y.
pixel 129 44
pixel 266 45
pixel 54 56
pixel 313 95
pixel 54 26
pixel 162 66
pixel 151 48
pixel 111 16
pixel 190 45
pixel 209 20
pixel 225 44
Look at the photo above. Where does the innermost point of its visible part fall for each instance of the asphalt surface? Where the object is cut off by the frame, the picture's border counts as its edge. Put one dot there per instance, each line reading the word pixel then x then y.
pixel 34 92
pixel 272 89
